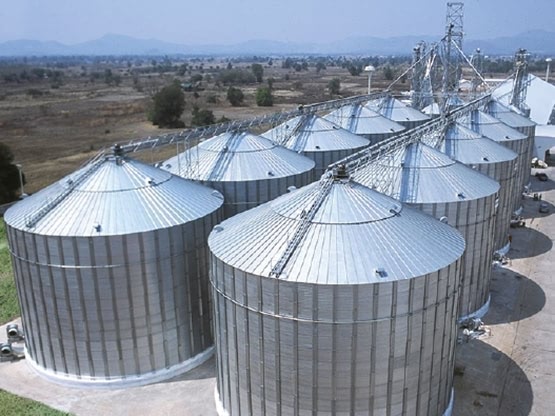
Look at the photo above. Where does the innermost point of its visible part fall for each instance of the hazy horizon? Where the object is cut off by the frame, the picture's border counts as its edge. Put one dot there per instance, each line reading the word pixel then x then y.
pixel 226 22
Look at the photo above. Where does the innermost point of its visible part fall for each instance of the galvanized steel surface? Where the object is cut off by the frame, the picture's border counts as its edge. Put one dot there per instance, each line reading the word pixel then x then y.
pixel 397 111
pixel 122 196
pixel 361 120
pixel 247 169
pixel 525 126
pixel 509 137
pixel 429 180
pixel 332 336
pixel 492 159
pixel 124 303
pixel 318 139
pixel 361 215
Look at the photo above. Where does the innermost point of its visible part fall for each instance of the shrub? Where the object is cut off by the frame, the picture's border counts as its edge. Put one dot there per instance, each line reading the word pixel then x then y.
pixel 235 96
pixel 264 97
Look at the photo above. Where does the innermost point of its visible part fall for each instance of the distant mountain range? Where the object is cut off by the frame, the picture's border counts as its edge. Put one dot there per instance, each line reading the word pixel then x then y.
pixel 540 42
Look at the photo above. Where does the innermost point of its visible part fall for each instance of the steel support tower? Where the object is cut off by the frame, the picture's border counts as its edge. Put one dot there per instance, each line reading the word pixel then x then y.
pixel 520 84
pixel 452 43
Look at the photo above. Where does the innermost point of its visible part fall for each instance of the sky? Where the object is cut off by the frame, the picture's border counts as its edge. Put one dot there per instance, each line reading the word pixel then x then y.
pixel 232 21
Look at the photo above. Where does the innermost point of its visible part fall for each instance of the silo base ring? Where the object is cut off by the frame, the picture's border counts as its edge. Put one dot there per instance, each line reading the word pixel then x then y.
pixel 449 409
pixel 504 250
pixel 219 404
pixel 222 412
pixel 88 382
pixel 479 313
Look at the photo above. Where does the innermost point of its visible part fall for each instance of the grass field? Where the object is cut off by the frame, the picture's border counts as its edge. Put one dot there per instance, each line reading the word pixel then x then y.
pixel 15 405
pixel 9 307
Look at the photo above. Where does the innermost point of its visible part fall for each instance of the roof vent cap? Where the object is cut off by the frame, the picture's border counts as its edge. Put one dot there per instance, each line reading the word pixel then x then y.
pixel 380 272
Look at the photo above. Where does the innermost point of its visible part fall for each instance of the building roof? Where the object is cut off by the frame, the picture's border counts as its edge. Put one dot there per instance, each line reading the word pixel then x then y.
pixel 540 97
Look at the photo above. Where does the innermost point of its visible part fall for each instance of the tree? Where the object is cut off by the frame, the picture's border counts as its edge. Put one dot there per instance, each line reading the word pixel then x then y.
pixel 354 69
pixel 235 96
pixel 202 117
pixel 9 176
pixel 264 97
pixel 320 66
pixel 168 106
pixel 236 76
pixel 258 72
pixel 334 86
pixel 388 73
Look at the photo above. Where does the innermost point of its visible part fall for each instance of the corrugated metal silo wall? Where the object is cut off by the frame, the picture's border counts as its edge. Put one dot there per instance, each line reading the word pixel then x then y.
pixel 411 124
pixel 378 137
pixel 244 195
pixel 285 348
pixel 475 220
pixel 105 308
pixel 530 132
pixel 522 171
pixel 504 173
pixel 325 158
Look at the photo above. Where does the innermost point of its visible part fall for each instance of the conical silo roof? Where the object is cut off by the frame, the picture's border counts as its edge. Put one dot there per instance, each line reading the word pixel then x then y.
pixel 113 196
pixel 355 233
pixel 359 119
pixel 417 173
pixel 314 134
pixel 490 127
pixel 508 116
pixel 397 111
pixel 468 147
pixel 432 109
pixel 235 157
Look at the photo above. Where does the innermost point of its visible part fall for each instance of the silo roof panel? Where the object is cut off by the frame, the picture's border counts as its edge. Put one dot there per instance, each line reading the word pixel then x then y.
pixel 119 196
pixel 395 110
pixel 314 134
pixel 353 239
pixel 417 173
pixel 359 119
pixel 490 127
pixel 233 157
pixel 468 147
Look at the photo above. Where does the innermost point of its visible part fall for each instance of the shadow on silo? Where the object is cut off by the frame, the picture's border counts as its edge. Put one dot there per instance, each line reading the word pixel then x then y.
pixel 514 297
pixel 528 242
pixel 204 371
pixel 488 382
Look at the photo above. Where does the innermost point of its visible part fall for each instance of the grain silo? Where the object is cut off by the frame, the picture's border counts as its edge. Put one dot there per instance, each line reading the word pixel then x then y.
pixel 360 120
pixel 399 112
pixel 247 169
pixel 111 269
pixel 509 137
pixel 522 124
pixel 493 160
pixel 425 178
pixel 335 300
pixel 433 110
pixel 318 139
